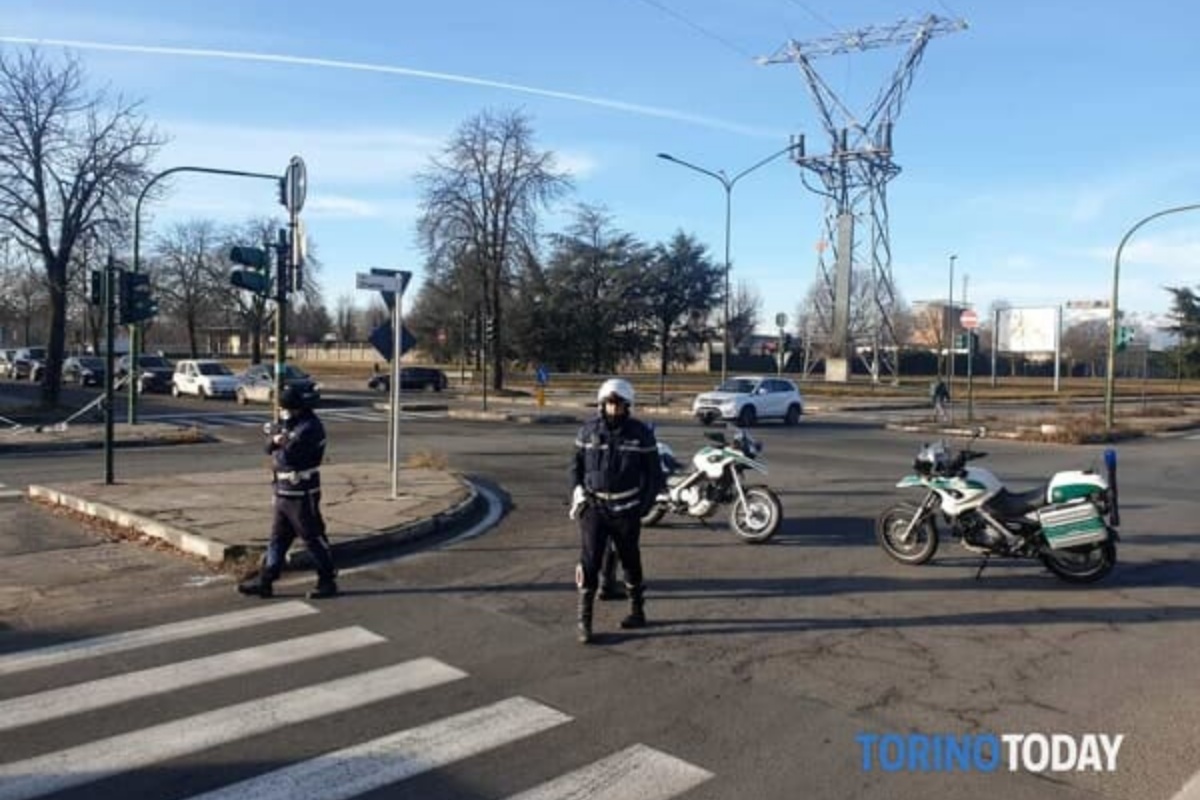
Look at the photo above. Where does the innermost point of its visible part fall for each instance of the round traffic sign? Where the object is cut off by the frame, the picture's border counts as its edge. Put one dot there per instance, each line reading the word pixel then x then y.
pixel 969 319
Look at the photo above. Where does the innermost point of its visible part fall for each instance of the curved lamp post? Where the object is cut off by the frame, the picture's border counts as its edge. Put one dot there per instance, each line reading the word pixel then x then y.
pixel 1110 378
pixel 135 339
pixel 727 183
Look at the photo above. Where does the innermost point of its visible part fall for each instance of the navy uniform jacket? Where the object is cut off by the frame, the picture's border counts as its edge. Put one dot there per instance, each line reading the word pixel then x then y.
pixel 302 451
pixel 619 468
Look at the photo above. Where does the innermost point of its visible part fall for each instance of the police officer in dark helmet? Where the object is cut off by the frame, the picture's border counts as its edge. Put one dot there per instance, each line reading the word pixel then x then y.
pixel 296 448
pixel 615 476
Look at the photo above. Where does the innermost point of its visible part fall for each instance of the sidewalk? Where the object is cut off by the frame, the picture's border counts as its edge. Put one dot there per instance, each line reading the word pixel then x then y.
pixel 225 517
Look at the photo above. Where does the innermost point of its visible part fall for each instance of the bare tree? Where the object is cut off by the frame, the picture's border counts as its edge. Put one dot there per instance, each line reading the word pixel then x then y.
pixel 745 305
pixel 1086 342
pixel 189 275
pixel 483 196
pixel 70 161
pixel 345 316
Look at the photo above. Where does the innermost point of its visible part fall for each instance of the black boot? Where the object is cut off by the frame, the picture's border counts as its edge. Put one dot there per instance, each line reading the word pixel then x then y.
pixel 258 586
pixel 637 608
pixel 584 625
pixel 326 587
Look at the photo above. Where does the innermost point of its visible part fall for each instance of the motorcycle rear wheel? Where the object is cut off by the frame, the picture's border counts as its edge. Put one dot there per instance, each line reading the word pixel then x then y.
pixel 759 517
pixel 890 528
pixel 1085 564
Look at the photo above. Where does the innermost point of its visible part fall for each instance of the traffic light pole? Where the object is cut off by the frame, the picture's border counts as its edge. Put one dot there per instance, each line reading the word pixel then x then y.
pixel 135 331
pixel 1110 377
pixel 110 326
pixel 283 269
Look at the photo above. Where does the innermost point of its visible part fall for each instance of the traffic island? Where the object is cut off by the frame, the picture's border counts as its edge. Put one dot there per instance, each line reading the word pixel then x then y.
pixel 225 517
pixel 58 437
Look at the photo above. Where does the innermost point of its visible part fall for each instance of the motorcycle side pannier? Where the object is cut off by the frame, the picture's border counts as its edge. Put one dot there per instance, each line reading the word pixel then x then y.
pixel 1072 524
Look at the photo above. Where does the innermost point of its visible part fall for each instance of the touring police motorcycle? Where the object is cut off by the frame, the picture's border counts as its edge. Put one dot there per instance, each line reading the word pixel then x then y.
pixel 717 479
pixel 1070 524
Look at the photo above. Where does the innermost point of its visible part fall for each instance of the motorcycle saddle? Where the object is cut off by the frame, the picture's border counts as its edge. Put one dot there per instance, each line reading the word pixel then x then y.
pixel 1015 504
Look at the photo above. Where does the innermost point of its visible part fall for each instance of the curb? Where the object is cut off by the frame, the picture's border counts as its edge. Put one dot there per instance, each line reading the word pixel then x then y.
pixel 220 552
pixel 191 543
pixel 400 534
pixel 532 418
pixel 97 444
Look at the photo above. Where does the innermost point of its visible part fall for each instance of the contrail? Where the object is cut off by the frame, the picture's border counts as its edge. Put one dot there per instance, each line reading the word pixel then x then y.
pixel 241 55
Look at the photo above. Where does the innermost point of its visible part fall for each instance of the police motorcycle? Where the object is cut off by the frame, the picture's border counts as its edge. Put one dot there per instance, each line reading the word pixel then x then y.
pixel 1070 524
pixel 716 479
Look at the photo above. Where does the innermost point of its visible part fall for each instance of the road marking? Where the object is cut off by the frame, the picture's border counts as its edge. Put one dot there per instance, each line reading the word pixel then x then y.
pixel 404 754
pixel 86 763
pixel 118 689
pixel 638 771
pixel 145 637
pixel 1191 789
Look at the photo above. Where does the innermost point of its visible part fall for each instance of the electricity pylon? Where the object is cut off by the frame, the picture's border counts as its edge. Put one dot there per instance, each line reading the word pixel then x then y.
pixel 853 179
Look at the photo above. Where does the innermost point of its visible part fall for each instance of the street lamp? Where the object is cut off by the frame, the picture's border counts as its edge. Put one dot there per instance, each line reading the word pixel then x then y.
pixel 1110 378
pixel 727 183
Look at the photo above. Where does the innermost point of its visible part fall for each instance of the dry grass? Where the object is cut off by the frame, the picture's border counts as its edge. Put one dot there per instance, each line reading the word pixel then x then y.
pixel 427 459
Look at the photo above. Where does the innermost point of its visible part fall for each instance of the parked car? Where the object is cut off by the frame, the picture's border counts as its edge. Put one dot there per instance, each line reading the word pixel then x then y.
pixel 28 362
pixel 6 362
pixel 204 378
pixel 746 400
pixel 84 370
pixel 257 384
pixel 155 373
pixel 411 379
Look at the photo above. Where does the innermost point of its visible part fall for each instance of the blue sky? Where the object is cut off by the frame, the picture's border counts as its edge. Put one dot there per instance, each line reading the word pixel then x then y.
pixel 1029 143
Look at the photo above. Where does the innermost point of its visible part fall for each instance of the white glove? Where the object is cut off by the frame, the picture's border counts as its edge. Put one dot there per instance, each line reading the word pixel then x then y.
pixel 578 501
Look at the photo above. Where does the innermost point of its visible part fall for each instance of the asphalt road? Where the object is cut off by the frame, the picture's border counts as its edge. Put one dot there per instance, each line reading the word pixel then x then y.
pixel 760 667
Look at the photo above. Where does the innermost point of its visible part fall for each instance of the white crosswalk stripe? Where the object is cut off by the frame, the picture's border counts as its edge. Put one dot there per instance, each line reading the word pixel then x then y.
pixel 377 763
pixel 160 634
pixel 118 689
pixel 347 772
pixel 638 771
pixel 74 766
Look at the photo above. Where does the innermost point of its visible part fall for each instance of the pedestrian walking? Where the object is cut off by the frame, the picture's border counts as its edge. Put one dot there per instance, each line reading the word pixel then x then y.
pixel 296 447
pixel 939 395
pixel 615 477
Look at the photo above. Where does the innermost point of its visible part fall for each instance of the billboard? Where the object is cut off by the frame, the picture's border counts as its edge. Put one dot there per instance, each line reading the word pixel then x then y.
pixel 1027 330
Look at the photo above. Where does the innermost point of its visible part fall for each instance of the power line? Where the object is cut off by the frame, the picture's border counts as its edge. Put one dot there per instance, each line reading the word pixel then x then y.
pixel 716 37
pixel 814 14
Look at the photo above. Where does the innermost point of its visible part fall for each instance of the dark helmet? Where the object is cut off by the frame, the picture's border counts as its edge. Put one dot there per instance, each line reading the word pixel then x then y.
pixel 292 398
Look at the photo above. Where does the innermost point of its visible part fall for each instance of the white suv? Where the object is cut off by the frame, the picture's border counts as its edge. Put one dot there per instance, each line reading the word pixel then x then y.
pixel 748 399
pixel 204 378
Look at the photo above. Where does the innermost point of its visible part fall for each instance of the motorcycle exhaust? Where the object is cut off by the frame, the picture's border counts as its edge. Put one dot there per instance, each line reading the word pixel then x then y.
pixel 1110 464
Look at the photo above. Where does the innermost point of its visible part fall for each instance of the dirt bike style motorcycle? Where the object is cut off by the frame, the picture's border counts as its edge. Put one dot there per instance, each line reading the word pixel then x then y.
pixel 717 479
pixel 1069 524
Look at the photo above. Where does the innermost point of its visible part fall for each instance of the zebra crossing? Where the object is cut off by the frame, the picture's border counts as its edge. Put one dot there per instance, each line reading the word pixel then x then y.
pixel 635 771
pixel 256 418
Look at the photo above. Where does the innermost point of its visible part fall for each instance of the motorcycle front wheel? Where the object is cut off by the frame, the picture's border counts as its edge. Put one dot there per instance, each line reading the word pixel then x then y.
pixel 890 528
pixel 1084 564
pixel 756 520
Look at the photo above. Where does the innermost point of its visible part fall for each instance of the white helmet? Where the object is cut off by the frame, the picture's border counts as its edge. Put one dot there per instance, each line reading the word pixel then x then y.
pixel 615 386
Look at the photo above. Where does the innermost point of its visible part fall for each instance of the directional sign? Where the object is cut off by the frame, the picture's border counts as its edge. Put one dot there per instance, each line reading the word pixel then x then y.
pixel 379 283
pixel 969 319
pixel 389 297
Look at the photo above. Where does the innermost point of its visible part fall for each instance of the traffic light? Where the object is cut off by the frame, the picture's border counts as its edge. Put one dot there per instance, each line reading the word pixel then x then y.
pixel 1125 337
pixel 135 302
pixel 282 189
pixel 96 287
pixel 256 277
pixel 489 329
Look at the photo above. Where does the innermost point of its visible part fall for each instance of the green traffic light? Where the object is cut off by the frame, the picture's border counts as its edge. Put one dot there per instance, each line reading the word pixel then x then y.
pixel 253 257
pixel 251 281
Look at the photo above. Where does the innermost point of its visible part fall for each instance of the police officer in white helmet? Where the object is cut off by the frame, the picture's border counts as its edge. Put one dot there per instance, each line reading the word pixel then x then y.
pixel 615 476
